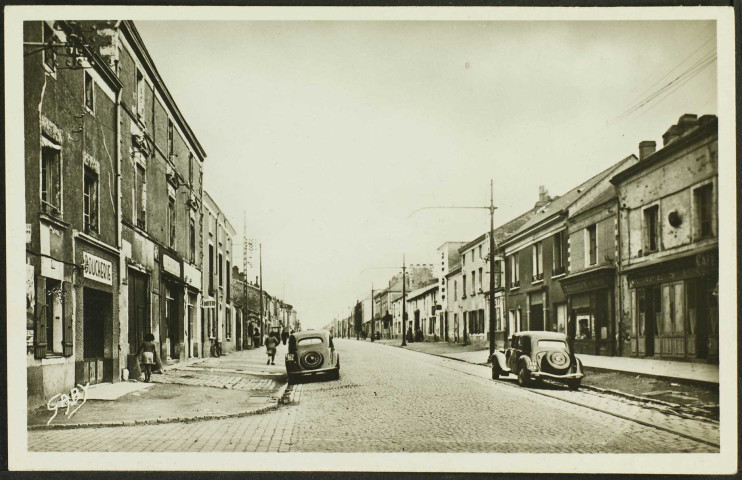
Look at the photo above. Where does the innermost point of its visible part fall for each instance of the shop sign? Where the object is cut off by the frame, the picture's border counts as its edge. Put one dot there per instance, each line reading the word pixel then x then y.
pixel 666 277
pixel 95 268
pixel 192 275
pixel 707 260
pixel 208 303
pixel 171 265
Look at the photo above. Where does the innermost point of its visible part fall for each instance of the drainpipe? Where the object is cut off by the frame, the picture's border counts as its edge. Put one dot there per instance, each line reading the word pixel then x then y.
pixel 618 276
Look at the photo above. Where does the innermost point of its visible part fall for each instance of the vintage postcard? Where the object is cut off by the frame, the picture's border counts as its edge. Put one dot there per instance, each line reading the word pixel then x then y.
pixel 446 239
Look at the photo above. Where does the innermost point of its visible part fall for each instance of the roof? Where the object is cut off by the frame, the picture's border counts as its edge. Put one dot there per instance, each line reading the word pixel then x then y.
pixel 450 242
pixel 473 242
pixel 561 204
pixel 423 290
pixel 542 335
pixel 707 125
pixel 454 271
pixel 606 196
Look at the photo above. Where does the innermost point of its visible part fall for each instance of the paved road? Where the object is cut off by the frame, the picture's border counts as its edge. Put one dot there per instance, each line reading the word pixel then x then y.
pixel 393 400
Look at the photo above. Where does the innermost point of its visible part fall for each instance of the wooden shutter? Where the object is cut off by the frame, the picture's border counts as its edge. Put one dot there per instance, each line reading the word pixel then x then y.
pixel 41 316
pixel 67 320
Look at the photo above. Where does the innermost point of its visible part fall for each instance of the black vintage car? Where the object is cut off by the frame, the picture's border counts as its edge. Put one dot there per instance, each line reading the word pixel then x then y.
pixel 536 355
pixel 310 353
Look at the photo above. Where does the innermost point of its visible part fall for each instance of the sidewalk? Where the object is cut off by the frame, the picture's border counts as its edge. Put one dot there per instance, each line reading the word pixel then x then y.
pixel 667 369
pixel 236 384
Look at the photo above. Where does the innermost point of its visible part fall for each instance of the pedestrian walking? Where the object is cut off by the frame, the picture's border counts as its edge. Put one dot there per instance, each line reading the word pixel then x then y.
pixel 284 336
pixel 270 348
pixel 148 351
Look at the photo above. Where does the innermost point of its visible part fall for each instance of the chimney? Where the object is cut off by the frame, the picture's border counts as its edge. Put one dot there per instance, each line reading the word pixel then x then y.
pixel 646 148
pixel 543 197
pixel 687 121
pixel 672 134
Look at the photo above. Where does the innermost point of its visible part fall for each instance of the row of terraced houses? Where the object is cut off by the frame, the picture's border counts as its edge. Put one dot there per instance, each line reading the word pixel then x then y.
pixel 626 263
pixel 121 238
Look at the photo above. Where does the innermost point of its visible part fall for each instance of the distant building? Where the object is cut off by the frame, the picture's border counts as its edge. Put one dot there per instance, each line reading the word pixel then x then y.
pixel 423 307
pixel 669 234
pixel 449 259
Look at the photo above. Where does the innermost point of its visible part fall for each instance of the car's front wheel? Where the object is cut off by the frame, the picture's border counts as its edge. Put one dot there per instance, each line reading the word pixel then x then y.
pixel 524 377
pixel 496 372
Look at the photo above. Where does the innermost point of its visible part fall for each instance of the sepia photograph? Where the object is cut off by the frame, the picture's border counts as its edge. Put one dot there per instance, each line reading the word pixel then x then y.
pixel 371 239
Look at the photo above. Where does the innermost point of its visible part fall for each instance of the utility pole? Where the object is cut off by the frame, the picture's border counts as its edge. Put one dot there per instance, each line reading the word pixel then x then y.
pixel 373 321
pixel 262 323
pixel 492 267
pixel 404 303
pixel 245 253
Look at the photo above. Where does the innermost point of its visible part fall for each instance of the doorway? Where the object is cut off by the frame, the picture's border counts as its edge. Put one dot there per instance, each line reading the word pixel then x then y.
pixel 171 318
pixel 537 317
pixel 137 310
pixel 97 315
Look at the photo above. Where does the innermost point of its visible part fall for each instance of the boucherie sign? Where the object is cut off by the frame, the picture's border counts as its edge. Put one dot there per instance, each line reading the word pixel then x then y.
pixel 97 269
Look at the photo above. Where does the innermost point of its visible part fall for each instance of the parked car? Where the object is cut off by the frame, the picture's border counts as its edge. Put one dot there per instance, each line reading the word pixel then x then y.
pixel 310 353
pixel 535 355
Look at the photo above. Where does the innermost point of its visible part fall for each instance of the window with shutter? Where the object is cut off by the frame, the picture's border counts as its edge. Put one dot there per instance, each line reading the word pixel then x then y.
pixel 67 325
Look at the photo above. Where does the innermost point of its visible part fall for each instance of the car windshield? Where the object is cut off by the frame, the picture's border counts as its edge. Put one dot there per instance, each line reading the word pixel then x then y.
pixel 309 341
pixel 552 344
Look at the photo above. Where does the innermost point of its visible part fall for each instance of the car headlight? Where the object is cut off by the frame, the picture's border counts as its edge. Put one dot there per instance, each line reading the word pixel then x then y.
pixel 290 357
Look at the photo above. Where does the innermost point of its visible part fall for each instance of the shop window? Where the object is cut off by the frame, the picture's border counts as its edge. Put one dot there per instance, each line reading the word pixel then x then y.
pixel 559 253
pixel 703 205
pixel 585 326
pixel 538 261
pixel 90 201
pixel 171 221
pixel 591 242
pixel 561 316
pixel 651 229
pixel 89 92
pixel 51 183
pixel 673 314
pixel 50 56
pixel 141 197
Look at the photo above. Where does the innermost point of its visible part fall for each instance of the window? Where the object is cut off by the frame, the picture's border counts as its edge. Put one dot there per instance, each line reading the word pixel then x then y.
pixel 473 282
pixel 703 204
pixel 171 221
pixel 54 314
pixel 89 92
pixel 559 253
pixel 480 251
pixel 50 177
pixel 455 290
pixel 221 277
pixel 140 209
pixel 592 244
pixel 480 278
pixel 538 261
pixel 170 147
pixel 229 290
pixel 651 229
pixel 192 241
pixel 50 56
pixel 499 268
pixel 463 260
pixel 190 169
pixel 472 255
pixel 140 94
pixel 514 271
pixel 228 323
pixel 211 269
pixel 463 286
pixel 90 201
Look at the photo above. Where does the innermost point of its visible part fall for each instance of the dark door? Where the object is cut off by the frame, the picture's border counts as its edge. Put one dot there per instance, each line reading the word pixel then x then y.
pixel 137 310
pixel 537 317
pixel 97 311
pixel 171 316
pixel 653 307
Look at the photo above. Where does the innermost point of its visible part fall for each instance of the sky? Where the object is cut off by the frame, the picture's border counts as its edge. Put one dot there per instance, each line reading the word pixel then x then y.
pixel 328 135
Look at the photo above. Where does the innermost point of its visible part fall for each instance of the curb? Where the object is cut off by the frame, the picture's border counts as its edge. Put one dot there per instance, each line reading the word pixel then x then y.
pixel 130 423
pixel 687 381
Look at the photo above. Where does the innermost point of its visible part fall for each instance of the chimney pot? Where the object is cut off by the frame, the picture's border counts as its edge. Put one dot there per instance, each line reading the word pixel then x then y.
pixel 646 148
pixel 671 135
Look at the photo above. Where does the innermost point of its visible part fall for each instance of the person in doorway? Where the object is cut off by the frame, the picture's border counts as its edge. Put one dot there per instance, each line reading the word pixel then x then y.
pixel 270 348
pixel 251 334
pixel 284 336
pixel 409 334
pixel 148 352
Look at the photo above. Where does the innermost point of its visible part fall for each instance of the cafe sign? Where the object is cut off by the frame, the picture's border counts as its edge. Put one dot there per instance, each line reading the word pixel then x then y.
pixel 95 268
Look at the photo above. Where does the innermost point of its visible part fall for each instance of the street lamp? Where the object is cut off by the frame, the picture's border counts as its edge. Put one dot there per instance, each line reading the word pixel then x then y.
pixel 491 207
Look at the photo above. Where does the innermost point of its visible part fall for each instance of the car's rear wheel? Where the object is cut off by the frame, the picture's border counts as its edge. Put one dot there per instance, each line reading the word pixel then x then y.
pixel 574 384
pixel 524 377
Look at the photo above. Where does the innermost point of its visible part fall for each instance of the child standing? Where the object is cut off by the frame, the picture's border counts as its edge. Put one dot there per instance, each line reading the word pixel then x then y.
pixel 270 348
pixel 148 350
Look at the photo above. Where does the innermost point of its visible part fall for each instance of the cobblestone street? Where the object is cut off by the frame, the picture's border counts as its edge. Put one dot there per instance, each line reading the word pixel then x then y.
pixel 393 400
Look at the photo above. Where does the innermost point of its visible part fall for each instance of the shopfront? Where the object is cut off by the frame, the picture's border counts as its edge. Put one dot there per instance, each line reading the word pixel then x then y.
pixel 674 307
pixel 590 310
pixel 96 354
